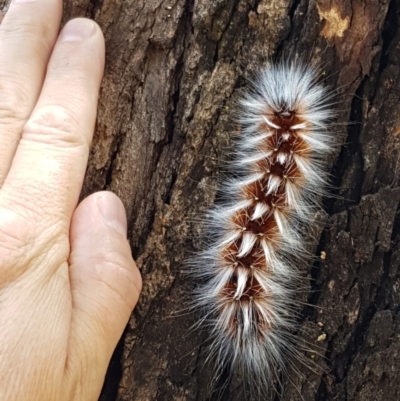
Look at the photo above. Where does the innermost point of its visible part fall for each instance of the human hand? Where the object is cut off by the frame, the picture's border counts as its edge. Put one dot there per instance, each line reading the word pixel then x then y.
pixel 67 279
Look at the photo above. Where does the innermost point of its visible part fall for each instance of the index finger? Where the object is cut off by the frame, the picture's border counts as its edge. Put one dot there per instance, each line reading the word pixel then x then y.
pixel 47 171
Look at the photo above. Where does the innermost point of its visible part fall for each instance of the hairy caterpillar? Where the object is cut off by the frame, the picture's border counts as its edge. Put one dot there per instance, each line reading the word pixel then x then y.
pixel 248 269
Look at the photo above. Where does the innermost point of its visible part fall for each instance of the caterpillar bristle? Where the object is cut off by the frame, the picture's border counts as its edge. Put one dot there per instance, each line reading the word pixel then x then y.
pixel 249 278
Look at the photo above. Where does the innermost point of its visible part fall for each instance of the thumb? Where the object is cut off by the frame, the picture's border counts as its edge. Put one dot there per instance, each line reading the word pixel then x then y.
pixel 105 286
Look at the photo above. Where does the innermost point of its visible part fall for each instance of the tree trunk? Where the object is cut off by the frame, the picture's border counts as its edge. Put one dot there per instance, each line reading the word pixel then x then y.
pixel 174 71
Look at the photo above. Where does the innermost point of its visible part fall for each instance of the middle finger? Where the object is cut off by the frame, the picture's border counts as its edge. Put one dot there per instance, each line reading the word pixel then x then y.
pixel 27 36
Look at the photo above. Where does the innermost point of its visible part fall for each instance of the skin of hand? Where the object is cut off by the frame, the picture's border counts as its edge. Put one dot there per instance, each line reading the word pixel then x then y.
pixel 68 282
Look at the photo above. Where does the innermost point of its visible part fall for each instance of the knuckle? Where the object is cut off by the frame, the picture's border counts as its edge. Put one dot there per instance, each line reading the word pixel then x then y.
pixel 25 28
pixel 13 104
pixel 16 242
pixel 122 276
pixel 19 30
pixel 26 243
pixel 55 125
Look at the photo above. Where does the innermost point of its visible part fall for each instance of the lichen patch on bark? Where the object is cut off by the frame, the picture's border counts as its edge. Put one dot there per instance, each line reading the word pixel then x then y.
pixel 335 25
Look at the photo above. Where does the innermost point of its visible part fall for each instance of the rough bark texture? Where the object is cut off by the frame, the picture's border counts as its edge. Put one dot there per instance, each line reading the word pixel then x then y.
pixel 174 71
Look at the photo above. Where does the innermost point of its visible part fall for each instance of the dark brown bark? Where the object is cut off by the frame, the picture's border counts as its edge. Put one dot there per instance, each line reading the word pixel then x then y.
pixel 174 71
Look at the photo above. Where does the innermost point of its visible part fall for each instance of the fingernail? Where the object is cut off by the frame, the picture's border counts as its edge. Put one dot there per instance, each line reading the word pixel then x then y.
pixel 113 212
pixel 77 30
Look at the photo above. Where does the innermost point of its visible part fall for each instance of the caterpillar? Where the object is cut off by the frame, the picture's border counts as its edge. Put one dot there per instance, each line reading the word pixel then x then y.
pixel 248 271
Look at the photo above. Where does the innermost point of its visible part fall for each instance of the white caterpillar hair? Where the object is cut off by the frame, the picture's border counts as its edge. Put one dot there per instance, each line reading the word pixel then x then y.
pixel 248 270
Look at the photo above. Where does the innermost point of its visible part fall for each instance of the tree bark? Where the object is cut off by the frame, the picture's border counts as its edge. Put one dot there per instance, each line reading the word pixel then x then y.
pixel 174 71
